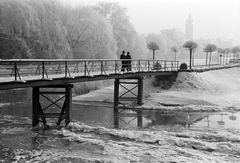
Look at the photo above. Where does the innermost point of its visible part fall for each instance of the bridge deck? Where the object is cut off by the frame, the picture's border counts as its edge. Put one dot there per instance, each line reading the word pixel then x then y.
pixel 29 73
pixel 39 72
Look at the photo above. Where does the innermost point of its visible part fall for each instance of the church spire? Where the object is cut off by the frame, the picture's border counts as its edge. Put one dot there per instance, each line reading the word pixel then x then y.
pixel 189 27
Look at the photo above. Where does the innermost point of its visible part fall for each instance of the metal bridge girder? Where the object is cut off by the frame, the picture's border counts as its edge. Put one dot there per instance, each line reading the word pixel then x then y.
pixel 120 99
pixel 39 112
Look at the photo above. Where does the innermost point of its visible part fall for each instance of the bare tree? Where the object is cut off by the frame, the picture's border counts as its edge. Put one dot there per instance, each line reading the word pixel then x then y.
pixel 175 50
pixel 190 45
pixel 209 49
pixel 153 46
pixel 206 57
pixel 234 51
pixel 223 56
pixel 227 50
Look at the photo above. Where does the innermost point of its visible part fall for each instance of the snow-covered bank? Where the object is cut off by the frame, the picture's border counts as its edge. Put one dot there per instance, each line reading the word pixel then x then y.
pixel 214 90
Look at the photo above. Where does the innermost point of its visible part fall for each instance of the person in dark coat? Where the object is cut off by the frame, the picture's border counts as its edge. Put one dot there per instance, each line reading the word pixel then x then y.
pixel 129 66
pixel 122 56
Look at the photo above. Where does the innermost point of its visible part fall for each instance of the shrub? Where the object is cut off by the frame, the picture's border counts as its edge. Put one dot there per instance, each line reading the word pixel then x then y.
pixel 183 66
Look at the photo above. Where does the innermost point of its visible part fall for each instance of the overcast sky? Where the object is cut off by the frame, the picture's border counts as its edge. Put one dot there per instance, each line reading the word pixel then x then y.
pixel 211 18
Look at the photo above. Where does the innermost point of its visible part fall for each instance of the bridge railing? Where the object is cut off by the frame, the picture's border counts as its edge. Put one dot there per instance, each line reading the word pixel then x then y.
pixel 30 69
pixel 216 66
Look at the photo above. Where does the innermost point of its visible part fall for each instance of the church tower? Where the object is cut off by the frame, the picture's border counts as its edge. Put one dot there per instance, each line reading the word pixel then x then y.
pixel 189 28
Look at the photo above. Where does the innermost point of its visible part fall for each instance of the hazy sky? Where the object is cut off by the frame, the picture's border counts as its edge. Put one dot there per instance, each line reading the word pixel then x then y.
pixel 211 18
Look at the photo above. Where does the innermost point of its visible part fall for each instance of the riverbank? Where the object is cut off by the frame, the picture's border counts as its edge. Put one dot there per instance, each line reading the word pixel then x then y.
pixel 214 91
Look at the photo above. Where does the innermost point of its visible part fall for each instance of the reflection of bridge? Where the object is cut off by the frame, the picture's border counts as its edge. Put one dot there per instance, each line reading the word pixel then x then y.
pixel 162 117
pixel 44 74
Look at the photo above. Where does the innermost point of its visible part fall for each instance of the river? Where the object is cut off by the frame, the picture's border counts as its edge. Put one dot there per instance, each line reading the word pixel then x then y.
pixel 174 134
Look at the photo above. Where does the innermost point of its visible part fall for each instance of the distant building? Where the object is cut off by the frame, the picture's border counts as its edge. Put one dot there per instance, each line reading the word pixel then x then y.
pixel 224 43
pixel 220 42
pixel 189 28
pixel 204 42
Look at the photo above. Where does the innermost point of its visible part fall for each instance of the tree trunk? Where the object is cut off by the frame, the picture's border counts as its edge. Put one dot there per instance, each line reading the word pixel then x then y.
pixel 227 59
pixel 153 54
pixel 175 59
pixel 210 57
pixel 206 58
pixel 223 59
pixel 190 60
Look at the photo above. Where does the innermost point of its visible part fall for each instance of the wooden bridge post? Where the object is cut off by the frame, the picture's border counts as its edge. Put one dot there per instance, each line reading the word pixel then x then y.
pixel 116 101
pixel 68 109
pixel 140 90
pixel 35 110
pixel 140 101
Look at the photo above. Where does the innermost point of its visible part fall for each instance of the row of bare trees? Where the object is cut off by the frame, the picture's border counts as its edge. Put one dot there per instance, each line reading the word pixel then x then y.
pixel 191 45
pixel 223 54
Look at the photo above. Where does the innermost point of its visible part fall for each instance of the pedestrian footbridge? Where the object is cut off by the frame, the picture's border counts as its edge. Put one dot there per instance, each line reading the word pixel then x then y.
pixel 40 75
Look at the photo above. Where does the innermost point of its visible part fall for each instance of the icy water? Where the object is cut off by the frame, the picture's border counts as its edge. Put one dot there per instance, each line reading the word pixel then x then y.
pixel 18 138
pixel 166 136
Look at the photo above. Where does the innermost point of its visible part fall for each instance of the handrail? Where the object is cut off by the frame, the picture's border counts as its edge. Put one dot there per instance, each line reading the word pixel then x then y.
pixel 74 60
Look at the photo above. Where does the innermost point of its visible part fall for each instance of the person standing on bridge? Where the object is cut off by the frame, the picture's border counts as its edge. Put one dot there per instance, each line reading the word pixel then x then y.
pixel 129 66
pixel 122 56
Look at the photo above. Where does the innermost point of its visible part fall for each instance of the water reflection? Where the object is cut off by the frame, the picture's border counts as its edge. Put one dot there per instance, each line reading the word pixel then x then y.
pixel 233 117
pixel 186 119
pixel 221 122
pixel 158 117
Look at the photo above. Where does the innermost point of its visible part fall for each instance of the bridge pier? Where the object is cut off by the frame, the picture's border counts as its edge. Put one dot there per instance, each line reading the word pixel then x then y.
pixel 63 92
pixel 127 96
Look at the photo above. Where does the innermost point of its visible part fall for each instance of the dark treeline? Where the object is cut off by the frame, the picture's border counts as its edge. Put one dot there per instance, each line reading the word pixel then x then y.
pixel 47 29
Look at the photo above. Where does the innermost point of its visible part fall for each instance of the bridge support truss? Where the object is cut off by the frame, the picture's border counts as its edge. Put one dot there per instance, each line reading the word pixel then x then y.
pixel 131 92
pixel 61 93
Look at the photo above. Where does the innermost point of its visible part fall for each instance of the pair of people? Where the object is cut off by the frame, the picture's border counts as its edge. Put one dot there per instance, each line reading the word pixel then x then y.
pixel 126 61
